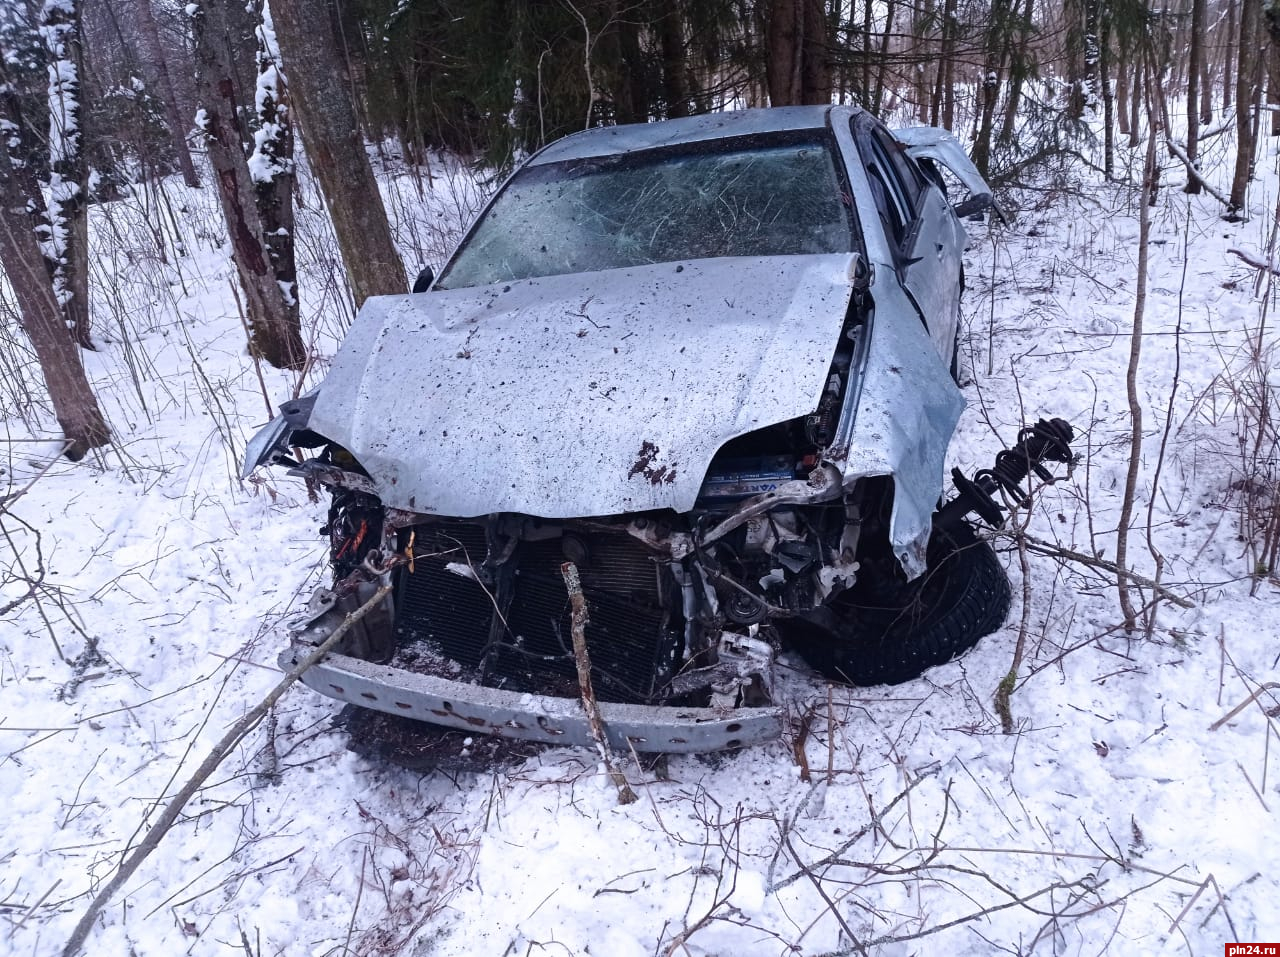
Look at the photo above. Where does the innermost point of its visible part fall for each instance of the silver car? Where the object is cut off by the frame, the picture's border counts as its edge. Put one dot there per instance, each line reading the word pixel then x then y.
pixel 708 363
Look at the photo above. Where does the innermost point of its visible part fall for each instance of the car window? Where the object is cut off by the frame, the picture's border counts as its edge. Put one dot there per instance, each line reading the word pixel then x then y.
pixel 903 167
pixel 891 215
pixel 896 187
pixel 777 195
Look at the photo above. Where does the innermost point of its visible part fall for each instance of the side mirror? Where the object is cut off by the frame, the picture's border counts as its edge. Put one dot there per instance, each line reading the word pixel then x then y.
pixel 424 280
pixel 972 206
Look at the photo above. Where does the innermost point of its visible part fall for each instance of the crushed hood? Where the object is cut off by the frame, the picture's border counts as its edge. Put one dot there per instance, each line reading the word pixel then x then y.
pixel 584 394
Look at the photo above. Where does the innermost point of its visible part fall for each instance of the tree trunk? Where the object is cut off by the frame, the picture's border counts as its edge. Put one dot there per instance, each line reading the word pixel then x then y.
pixel 617 73
pixel 1259 86
pixel 1073 14
pixel 150 38
pixel 785 24
pixel 1229 57
pixel 326 114
pixel 1090 91
pixel 1108 101
pixel 922 20
pixel 868 22
pixel 1195 54
pixel 73 401
pixel 631 94
pixel 798 66
pixel 1135 104
pixel 937 113
pixel 1206 89
pixel 1019 68
pixel 1246 95
pixel 671 31
pixel 1272 55
pixel 353 48
pixel 1122 94
pixel 949 84
pixel 272 315
pixel 815 68
pixel 877 98
pixel 998 42
pixel 272 171
pixel 68 172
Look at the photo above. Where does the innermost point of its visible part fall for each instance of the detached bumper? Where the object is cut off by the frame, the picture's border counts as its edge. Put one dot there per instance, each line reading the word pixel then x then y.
pixel 530 717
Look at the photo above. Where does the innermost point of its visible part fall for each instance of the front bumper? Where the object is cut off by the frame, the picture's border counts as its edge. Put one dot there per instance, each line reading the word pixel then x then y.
pixel 529 717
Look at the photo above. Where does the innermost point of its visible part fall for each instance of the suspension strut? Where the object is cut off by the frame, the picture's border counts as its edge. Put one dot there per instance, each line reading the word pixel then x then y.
pixel 1046 441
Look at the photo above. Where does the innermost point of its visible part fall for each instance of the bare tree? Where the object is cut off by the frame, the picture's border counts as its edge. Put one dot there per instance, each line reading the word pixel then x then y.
pixel 1195 55
pixel 73 400
pixel 150 38
pixel 323 104
pixel 1271 15
pixel 272 311
pixel 1246 101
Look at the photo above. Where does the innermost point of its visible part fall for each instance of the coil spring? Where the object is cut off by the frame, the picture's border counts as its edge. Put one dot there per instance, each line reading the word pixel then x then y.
pixel 1046 440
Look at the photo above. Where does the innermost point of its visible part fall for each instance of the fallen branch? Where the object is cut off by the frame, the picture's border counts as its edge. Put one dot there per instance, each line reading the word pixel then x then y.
pixel 578 628
pixel 237 733
pixel 1252 259
pixel 1194 172
pixel 1243 704
pixel 1042 547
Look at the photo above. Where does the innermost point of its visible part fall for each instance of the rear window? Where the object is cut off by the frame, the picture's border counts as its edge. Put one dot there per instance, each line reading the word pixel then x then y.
pixel 779 195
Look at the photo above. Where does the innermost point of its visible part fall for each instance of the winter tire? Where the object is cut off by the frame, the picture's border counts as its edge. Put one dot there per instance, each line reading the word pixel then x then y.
pixel 888 632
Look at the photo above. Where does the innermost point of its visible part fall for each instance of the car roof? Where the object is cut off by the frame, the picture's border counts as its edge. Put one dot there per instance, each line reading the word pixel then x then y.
pixel 616 140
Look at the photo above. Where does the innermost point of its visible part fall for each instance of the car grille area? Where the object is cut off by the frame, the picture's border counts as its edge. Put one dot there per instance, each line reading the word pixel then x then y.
pixel 517 635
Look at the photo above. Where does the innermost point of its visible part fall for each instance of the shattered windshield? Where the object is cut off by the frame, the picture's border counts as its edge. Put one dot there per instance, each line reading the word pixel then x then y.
pixel 760 196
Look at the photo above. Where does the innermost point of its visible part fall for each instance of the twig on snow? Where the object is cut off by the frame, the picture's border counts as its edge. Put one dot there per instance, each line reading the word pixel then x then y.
pixel 237 733
pixel 1243 704
pixel 351 925
pixel 872 825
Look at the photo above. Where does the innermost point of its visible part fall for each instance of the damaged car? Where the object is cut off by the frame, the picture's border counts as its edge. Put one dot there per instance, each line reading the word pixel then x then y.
pixel 707 363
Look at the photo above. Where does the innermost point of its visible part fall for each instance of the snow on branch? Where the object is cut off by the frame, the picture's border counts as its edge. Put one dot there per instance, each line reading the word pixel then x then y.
pixel 1256 261
pixel 1194 172
pixel 271 153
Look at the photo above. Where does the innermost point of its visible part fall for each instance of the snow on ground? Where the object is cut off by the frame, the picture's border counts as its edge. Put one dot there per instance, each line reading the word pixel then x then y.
pixel 1113 819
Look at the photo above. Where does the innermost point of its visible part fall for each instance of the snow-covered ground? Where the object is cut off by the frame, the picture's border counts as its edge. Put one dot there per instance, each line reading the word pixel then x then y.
pixel 142 597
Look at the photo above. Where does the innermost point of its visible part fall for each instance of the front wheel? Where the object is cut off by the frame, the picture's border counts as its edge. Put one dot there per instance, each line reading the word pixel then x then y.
pixel 884 631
